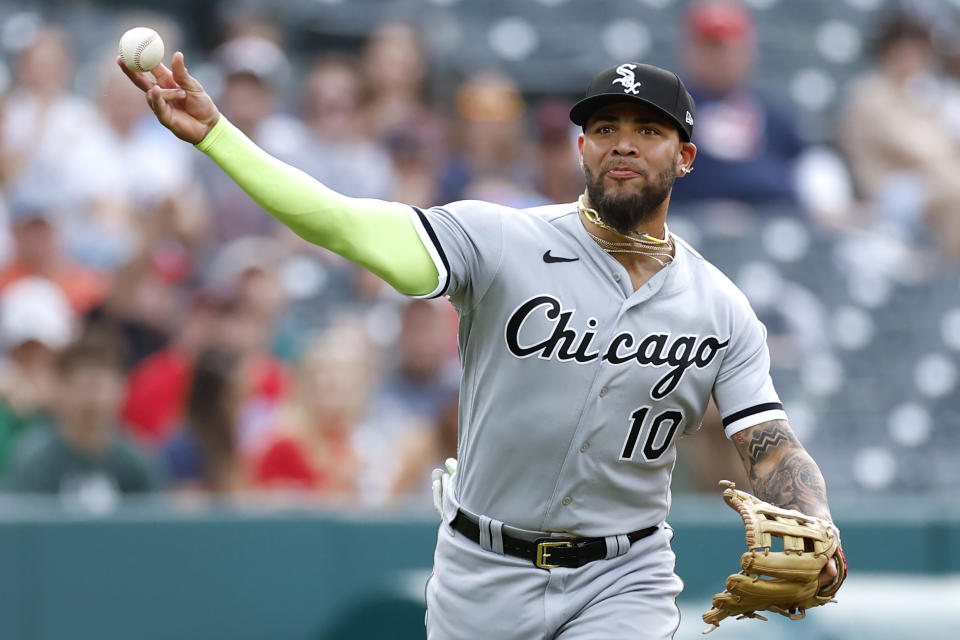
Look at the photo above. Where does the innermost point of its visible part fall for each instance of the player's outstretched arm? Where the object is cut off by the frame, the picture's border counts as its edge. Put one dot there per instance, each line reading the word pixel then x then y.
pixel 381 236
pixel 784 474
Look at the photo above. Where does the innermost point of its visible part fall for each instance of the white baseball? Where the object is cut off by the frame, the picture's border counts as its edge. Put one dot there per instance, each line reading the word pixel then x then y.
pixel 141 49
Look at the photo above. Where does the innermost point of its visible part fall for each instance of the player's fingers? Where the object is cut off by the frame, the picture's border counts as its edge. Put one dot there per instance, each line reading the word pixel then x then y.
pixel 444 483
pixel 182 76
pixel 139 79
pixel 158 105
pixel 828 573
pixel 164 76
pixel 436 487
pixel 170 94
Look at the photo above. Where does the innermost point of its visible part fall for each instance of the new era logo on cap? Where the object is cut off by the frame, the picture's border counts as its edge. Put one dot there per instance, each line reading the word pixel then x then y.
pixel 644 83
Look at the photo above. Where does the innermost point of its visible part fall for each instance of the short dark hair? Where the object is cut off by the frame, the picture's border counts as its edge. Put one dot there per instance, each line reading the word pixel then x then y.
pixel 89 353
pixel 897 27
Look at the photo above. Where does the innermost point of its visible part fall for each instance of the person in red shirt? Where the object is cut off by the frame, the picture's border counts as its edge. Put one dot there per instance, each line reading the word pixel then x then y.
pixel 313 446
pixel 157 389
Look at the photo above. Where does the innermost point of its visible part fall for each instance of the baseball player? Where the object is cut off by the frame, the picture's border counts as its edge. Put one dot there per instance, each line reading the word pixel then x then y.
pixel 591 339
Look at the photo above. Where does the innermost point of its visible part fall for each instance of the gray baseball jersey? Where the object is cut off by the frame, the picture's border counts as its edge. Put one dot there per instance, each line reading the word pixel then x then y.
pixel 576 387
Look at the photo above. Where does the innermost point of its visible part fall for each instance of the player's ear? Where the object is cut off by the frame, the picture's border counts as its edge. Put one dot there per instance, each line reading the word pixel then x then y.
pixel 686 154
pixel 580 139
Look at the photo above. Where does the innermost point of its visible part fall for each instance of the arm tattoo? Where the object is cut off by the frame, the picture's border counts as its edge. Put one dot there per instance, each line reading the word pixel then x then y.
pixel 764 441
pixel 795 481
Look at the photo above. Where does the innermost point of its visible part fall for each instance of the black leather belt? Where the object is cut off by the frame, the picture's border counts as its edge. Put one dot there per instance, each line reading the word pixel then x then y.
pixel 548 553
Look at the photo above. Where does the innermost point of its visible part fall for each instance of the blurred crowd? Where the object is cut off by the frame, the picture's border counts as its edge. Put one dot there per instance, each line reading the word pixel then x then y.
pixel 160 332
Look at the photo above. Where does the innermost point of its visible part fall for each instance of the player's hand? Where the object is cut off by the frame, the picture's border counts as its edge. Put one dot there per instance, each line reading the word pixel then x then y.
pixel 830 570
pixel 177 99
pixel 440 482
pixel 828 573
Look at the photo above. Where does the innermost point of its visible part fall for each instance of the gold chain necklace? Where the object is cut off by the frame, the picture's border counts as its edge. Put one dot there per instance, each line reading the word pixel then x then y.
pixel 661 250
pixel 662 255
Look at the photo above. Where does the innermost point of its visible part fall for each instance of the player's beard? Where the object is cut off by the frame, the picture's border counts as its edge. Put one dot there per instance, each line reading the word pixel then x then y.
pixel 626 213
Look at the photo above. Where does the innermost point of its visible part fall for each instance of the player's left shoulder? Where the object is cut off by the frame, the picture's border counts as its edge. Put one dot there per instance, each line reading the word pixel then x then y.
pixel 708 279
pixel 701 269
pixel 683 245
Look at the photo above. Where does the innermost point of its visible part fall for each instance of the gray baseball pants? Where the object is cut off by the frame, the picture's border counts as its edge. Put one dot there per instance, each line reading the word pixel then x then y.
pixel 475 593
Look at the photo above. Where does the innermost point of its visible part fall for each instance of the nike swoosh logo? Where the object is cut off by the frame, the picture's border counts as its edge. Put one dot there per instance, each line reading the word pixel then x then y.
pixel 549 258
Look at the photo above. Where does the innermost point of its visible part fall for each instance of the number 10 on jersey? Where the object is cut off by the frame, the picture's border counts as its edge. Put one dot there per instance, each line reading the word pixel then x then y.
pixel 656 434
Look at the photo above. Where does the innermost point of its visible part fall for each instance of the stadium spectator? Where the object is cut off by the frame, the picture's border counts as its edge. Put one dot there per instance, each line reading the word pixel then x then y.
pixel 35 323
pixel 492 155
pixel 45 146
pixel 204 454
pixel 746 144
pixel 132 146
pixel 37 250
pixel 395 69
pixel 908 179
pixel 83 457
pixel 559 177
pixel 313 447
pixel 412 405
pixel 248 268
pixel 106 221
pixel 426 374
pixel 340 150
pixel 148 299
pixel 447 432
pixel 414 166
pixel 418 448
pixel 399 113
pixel 41 112
pixel 157 387
pixel 253 66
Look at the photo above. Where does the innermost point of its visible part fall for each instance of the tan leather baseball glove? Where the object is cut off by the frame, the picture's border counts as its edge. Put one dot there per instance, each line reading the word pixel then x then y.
pixel 783 581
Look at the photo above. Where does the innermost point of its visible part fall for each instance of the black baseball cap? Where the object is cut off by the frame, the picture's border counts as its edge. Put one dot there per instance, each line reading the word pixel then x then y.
pixel 643 83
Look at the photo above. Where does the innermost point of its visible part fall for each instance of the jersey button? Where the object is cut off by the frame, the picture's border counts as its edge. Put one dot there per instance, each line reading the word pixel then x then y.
pixel 584 446
pixel 616 277
pixel 566 501
pixel 603 391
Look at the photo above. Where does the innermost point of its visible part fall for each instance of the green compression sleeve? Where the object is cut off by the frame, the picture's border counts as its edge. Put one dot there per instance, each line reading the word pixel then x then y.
pixel 375 234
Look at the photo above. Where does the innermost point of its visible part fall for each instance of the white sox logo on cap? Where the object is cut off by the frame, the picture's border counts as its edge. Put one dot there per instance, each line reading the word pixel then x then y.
pixel 628 79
